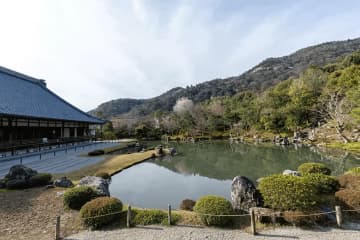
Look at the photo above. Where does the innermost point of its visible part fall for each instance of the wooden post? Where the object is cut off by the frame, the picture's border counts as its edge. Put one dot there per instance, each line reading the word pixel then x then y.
pixel 128 217
pixel 252 219
pixel 338 215
pixel 169 214
pixel 57 228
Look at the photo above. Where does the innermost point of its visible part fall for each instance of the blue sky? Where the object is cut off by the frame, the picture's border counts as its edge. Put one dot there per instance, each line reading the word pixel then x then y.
pixel 91 51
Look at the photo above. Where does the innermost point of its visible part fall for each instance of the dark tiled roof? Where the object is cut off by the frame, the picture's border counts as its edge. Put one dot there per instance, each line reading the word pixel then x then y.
pixel 21 95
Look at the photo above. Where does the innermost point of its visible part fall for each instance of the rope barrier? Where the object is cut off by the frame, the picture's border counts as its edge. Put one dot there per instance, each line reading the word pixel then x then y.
pixel 240 215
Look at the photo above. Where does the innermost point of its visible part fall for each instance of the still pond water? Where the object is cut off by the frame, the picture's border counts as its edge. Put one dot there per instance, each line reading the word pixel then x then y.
pixel 208 168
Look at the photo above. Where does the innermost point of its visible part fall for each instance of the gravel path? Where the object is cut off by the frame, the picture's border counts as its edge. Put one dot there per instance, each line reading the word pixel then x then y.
pixel 194 233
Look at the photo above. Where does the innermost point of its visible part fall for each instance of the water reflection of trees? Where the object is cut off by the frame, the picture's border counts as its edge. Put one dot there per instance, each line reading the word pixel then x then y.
pixel 221 160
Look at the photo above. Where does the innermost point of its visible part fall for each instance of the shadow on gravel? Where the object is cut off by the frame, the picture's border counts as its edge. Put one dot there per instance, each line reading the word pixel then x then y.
pixel 276 236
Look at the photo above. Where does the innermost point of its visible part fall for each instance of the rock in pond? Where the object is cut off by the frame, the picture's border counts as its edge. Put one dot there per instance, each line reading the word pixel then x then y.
pixel 20 172
pixel 63 182
pixel 244 194
pixel 99 184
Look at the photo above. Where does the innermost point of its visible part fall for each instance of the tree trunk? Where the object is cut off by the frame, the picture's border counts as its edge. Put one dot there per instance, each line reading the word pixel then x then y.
pixel 342 135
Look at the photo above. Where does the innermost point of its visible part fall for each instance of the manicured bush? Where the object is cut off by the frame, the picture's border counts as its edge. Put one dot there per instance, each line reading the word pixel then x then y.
pixel 354 171
pixel 299 218
pixel 107 209
pixel 187 204
pixel 324 184
pixel 149 216
pixel 17 184
pixel 286 192
pixel 152 216
pixel 214 205
pixel 348 198
pixel 96 152
pixel 349 181
pixel 103 175
pixel 40 179
pixel 75 198
pixel 308 168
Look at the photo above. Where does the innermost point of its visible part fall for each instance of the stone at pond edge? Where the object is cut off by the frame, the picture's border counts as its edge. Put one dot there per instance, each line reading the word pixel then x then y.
pixel 99 184
pixel 244 194
pixel 63 182
pixel 20 172
pixel 291 172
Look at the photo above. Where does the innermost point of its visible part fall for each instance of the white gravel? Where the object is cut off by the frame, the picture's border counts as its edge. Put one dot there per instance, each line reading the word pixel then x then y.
pixel 195 233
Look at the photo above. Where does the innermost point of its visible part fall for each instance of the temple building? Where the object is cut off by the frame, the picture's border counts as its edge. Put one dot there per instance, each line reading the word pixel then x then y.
pixel 31 114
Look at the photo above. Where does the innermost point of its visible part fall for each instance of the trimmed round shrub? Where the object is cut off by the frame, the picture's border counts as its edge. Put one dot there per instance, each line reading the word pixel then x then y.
pixel 354 171
pixel 349 181
pixel 286 192
pixel 103 175
pixel 214 205
pixel 308 168
pixel 348 198
pixel 187 204
pixel 96 152
pixel 324 184
pixel 40 179
pixel 149 216
pixel 17 184
pixel 75 198
pixel 101 211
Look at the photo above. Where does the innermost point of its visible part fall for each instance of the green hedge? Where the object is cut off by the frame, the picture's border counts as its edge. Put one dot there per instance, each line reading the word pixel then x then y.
pixel 324 184
pixel 101 211
pixel 285 192
pixel 17 184
pixel 152 216
pixel 187 204
pixel 214 205
pixel 311 167
pixel 40 179
pixel 75 198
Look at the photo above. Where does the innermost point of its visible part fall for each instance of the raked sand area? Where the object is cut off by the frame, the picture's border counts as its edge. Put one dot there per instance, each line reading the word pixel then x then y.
pixel 196 233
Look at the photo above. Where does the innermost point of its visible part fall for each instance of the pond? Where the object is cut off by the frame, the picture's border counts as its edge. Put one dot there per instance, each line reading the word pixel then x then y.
pixel 208 168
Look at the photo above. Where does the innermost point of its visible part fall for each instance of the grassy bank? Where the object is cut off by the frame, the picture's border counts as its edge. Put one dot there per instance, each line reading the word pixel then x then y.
pixel 353 147
pixel 111 165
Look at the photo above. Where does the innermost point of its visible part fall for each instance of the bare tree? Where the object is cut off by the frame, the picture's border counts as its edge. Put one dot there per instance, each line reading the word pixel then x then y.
pixel 337 109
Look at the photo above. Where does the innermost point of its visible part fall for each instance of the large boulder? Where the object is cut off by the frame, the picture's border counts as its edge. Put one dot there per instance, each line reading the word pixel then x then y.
pixel 63 182
pixel 99 184
pixel 20 172
pixel 244 194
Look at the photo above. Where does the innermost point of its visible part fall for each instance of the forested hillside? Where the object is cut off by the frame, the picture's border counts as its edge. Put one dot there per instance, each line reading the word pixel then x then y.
pixel 266 74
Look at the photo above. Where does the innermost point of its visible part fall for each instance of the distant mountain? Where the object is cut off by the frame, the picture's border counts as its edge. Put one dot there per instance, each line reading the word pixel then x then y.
pixel 264 75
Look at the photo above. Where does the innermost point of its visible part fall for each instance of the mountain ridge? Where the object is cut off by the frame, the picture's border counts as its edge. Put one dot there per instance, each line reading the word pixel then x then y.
pixel 258 78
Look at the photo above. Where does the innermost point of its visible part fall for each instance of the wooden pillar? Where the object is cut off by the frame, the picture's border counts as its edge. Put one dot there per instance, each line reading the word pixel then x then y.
pixel 57 228
pixel 128 217
pixel 338 215
pixel 169 214
pixel 252 219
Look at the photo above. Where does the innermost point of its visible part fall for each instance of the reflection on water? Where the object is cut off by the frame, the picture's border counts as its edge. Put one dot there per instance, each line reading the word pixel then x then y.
pixel 208 168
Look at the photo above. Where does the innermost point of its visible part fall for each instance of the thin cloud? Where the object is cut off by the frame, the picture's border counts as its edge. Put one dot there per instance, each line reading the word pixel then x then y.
pixel 92 51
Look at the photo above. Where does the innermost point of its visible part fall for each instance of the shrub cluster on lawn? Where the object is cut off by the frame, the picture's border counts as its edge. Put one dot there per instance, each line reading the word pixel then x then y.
pixel 187 204
pixel 152 216
pixel 40 179
pixel 76 197
pixel 348 198
pixel 286 192
pixel 308 168
pixel 101 211
pixel 324 184
pixel 349 181
pixel 214 205
pixel 96 152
